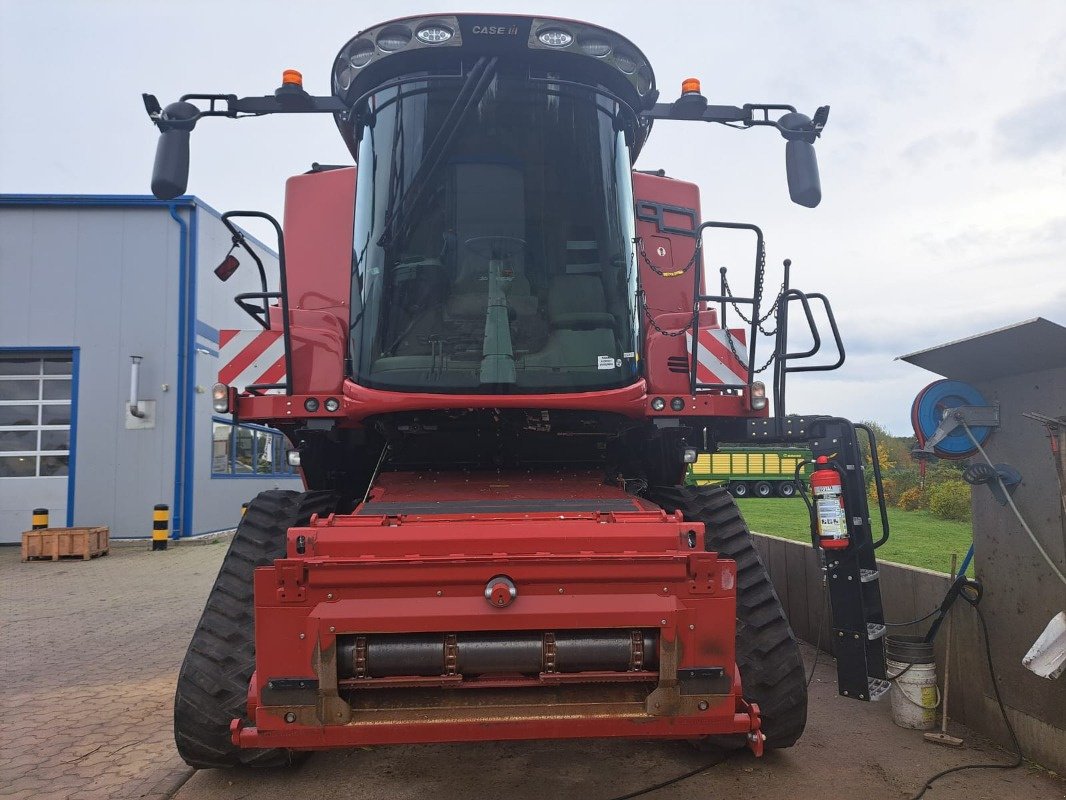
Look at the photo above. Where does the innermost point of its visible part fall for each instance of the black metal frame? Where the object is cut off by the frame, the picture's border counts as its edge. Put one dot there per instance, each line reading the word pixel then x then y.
pixel 781 354
pixel 852 576
pixel 788 295
pixel 261 314
pixel 699 299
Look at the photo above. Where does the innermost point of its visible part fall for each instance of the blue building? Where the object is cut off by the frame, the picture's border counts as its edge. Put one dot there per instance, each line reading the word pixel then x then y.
pixel 87 283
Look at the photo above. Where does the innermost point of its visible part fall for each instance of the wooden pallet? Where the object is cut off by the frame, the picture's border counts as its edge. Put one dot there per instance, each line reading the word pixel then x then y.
pixel 56 543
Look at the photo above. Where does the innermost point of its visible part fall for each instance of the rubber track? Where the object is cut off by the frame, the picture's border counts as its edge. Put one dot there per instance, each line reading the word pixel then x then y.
pixel 213 682
pixel 771 667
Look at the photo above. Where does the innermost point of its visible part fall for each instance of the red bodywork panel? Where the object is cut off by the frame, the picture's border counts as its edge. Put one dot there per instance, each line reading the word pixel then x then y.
pixel 417 558
pixel 319 207
pixel 668 215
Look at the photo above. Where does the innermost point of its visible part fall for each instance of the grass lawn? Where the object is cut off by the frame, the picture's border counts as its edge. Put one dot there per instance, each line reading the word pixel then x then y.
pixel 915 537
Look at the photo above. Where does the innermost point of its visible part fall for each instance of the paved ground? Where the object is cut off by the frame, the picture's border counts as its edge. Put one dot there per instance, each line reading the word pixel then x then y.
pixel 90 650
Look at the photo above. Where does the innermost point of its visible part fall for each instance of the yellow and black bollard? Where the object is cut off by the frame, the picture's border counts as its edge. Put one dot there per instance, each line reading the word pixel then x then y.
pixel 160 526
pixel 244 509
pixel 40 519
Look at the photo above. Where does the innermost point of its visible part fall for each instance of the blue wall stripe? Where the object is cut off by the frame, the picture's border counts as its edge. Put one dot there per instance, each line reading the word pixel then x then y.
pixel 72 459
pixel 176 514
pixel 189 478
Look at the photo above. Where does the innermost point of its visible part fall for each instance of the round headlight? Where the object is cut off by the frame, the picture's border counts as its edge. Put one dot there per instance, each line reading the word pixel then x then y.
pixel 433 34
pixel 311 404
pixel 394 37
pixel 555 37
pixel 361 53
pixel 658 404
pixel 643 79
pixel 677 404
pixel 332 404
pixel 627 62
pixel 595 47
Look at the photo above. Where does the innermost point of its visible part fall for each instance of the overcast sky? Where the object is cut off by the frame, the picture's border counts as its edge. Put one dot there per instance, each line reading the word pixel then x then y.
pixel 943 164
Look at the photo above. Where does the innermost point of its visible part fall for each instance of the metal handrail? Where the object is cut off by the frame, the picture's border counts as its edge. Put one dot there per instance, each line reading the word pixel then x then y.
pixel 265 295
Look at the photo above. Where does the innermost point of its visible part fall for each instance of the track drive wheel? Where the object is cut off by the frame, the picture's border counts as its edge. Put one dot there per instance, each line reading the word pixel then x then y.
pixel 771 667
pixel 213 681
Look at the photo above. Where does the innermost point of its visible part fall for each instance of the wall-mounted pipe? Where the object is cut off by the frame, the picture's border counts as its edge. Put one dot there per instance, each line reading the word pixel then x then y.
pixel 135 383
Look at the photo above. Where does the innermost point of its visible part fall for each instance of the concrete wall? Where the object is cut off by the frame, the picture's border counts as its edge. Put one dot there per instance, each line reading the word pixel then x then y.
pixel 908 593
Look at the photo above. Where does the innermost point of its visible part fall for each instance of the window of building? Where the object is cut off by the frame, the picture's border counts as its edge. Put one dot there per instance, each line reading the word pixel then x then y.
pixel 245 450
pixel 35 412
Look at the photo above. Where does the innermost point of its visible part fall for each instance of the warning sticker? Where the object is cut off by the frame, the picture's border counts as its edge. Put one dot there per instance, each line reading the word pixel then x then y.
pixel 605 362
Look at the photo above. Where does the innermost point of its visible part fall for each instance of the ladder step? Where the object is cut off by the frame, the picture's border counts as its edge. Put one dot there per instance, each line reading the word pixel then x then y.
pixel 868 575
pixel 878 688
pixel 875 630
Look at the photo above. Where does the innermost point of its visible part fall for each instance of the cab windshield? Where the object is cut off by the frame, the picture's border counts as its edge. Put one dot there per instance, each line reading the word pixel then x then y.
pixel 494 239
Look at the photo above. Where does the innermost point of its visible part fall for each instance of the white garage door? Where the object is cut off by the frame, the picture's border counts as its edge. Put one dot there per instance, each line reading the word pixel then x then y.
pixel 36 409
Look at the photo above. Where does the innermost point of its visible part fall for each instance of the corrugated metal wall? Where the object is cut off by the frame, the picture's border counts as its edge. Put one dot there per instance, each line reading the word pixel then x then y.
pixel 103 274
pixel 106 281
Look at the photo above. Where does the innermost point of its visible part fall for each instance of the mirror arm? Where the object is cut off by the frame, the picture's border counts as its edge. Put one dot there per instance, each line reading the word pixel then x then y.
pixel 284 101
pixel 749 115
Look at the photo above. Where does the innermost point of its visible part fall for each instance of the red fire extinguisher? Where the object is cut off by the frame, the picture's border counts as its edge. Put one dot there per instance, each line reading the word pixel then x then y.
pixel 829 507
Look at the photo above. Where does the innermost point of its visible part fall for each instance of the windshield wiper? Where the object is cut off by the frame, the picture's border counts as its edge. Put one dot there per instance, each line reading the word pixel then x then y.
pixel 469 95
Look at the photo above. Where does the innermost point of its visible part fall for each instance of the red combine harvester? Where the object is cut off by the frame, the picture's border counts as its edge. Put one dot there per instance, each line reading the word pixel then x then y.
pixel 494 355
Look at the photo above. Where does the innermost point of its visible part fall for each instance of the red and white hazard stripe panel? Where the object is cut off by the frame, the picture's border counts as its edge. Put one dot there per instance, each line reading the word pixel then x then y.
pixel 251 357
pixel 715 358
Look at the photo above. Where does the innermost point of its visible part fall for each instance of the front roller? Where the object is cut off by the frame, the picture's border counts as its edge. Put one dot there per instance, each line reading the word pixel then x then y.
pixel 771 666
pixel 213 681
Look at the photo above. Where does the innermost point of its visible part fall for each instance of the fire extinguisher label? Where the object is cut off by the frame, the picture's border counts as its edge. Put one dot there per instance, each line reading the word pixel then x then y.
pixel 831 521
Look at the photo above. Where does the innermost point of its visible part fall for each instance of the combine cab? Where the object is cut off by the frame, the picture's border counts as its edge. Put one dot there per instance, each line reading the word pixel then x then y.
pixel 492 347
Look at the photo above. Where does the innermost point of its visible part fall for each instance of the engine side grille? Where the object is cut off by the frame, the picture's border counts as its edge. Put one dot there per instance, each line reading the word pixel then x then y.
pixel 677 364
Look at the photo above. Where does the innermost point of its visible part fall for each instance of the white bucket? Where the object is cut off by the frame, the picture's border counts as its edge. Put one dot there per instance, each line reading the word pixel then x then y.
pixel 912 670
pixel 915 696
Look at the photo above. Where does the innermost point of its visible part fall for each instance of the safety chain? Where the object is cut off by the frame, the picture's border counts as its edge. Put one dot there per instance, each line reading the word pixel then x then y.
pixel 733 350
pixel 728 293
pixel 639 242
pixel 654 324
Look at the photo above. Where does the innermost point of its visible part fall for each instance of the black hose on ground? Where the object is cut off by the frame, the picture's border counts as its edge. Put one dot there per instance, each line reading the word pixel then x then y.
pixel 677 779
pixel 974 599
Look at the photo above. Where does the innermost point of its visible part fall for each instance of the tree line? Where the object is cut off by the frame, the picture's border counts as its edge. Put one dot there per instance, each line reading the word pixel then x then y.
pixel 937 487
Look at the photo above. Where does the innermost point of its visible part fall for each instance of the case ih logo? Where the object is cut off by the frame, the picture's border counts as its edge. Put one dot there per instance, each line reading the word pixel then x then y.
pixel 495 30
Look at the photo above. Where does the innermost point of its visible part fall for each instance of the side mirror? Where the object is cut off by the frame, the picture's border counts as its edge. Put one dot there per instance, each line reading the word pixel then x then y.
pixel 170 175
pixel 801 166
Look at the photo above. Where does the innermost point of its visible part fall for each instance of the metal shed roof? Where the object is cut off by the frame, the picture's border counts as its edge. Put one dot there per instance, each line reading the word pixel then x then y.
pixel 1036 344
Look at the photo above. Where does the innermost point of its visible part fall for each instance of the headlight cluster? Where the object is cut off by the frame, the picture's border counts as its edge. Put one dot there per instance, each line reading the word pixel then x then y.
pixel 448 31
pixel 676 404
pixel 331 405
